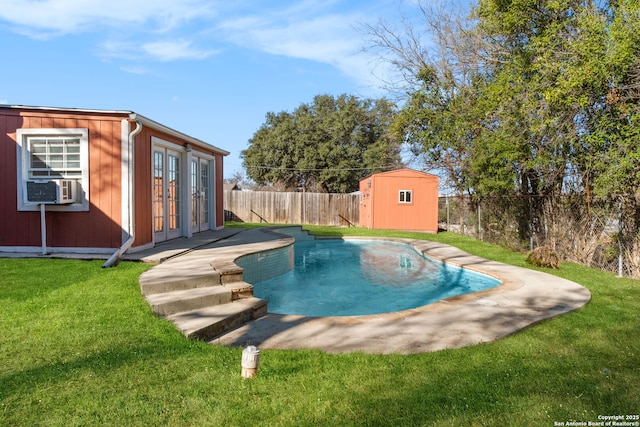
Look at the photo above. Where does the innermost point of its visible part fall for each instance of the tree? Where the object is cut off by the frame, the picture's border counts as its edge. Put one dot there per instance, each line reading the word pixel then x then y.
pixel 326 146
pixel 523 96
pixel 439 119
pixel 533 98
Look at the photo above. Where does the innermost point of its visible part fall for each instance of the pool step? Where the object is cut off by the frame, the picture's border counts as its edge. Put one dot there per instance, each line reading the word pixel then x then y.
pixel 201 301
pixel 168 303
pixel 176 284
pixel 209 322
pixel 169 277
pixel 296 232
pixel 203 291
pixel 205 313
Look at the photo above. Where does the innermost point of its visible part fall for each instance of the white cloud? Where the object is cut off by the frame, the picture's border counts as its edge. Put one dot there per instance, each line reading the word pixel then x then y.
pixel 175 50
pixel 165 51
pixel 328 38
pixel 46 18
pixel 169 30
pixel 323 39
pixel 136 70
pixel 126 19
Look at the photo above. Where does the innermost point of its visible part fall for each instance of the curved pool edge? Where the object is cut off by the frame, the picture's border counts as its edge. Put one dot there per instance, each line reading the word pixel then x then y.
pixel 524 298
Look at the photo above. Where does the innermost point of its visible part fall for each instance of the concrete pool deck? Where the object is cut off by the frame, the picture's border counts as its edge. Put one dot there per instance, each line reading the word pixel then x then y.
pixel 525 298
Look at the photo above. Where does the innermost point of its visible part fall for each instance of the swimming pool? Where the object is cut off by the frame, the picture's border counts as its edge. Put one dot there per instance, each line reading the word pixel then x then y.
pixel 362 277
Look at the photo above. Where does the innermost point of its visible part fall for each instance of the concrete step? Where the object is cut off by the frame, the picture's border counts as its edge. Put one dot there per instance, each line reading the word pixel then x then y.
pixel 168 303
pixel 296 232
pixel 161 279
pixel 209 322
pixel 202 291
pixel 240 290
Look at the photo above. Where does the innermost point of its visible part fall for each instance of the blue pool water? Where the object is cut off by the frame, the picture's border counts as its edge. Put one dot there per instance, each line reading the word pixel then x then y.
pixel 360 277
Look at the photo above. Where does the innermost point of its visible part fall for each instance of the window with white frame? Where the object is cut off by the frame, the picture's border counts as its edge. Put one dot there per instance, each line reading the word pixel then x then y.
pixel 53 154
pixel 405 196
pixel 54 157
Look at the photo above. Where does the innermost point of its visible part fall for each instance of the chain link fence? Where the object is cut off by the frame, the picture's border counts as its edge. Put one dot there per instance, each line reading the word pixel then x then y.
pixel 603 235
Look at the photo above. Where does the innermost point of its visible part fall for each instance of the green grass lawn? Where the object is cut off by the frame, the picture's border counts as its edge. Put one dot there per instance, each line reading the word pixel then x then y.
pixel 79 346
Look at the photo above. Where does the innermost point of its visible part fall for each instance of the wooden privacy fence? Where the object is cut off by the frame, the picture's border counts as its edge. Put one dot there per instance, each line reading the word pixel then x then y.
pixel 292 208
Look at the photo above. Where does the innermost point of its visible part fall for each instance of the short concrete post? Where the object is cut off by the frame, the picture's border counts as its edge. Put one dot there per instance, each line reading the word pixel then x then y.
pixel 250 361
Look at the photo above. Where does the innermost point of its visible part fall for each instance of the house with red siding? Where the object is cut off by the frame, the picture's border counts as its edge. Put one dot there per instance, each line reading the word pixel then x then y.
pixel 402 199
pixel 102 182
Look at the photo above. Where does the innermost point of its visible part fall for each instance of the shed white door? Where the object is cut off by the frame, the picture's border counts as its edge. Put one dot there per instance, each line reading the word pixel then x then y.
pixel 167 190
pixel 200 194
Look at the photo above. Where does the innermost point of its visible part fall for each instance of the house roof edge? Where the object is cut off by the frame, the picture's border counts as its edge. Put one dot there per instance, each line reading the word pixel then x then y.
pixel 166 129
pixel 126 114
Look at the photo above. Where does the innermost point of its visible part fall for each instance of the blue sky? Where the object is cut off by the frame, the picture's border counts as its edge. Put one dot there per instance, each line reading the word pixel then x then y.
pixel 211 69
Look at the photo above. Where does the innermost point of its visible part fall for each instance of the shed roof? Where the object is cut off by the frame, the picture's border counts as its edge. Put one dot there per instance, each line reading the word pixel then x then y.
pixel 131 116
pixel 403 172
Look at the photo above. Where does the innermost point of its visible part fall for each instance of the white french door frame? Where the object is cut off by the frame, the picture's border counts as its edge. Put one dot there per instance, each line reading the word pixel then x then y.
pixel 168 193
pixel 202 193
pixel 194 201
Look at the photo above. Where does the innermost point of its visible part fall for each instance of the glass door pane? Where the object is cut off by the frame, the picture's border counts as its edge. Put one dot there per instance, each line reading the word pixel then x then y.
pixel 158 192
pixel 200 189
pixel 204 195
pixel 195 195
pixel 173 191
pixel 167 200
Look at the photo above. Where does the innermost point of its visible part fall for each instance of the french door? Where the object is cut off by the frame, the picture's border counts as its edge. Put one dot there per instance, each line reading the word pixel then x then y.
pixel 167 190
pixel 200 194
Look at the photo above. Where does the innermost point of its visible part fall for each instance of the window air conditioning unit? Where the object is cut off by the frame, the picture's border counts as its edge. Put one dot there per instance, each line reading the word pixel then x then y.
pixel 52 192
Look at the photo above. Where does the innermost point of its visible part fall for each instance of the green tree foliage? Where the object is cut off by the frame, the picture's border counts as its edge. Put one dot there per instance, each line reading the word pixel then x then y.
pixel 528 42
pixel 327 145
pixel 531 97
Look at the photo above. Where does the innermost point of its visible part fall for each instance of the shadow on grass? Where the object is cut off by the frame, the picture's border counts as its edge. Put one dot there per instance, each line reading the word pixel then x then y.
pixel 50 372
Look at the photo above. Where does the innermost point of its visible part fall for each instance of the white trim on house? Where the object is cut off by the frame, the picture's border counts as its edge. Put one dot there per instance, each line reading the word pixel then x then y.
pixel 56 250
pixel 189 139
pixel 155 141
pixel 22 166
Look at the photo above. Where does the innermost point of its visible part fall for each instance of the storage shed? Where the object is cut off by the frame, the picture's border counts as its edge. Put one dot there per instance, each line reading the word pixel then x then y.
pixel 402 199
pixel 96 181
